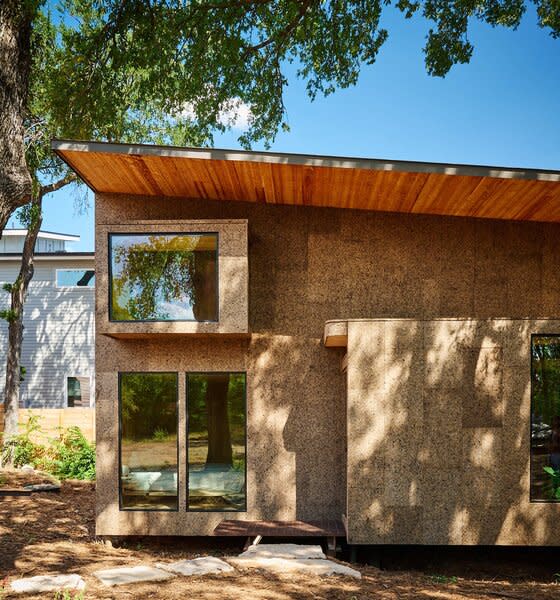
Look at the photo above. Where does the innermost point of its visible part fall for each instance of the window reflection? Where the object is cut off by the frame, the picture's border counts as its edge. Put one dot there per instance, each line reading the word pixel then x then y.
pixel 545 417
pixel 216 441
pixel 75 278
pixel 148 420
pixel 164 277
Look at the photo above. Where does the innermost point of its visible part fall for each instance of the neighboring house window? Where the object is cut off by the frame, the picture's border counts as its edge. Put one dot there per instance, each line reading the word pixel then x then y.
pixel 216 441
pixel 77 391
pixel 148 441
pixel 75 278
pixel 163 277
pixel 545 417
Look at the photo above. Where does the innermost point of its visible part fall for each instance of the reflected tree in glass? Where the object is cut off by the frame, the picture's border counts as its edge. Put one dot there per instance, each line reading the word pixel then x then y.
pixel 164 277
pixel 148 424
pixel 545 417
pixel 216 441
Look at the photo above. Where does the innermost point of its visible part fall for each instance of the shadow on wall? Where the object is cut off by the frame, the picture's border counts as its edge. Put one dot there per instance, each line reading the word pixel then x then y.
pixel 425 440
pixel 295 432
pixel 299 425
pixel 439 444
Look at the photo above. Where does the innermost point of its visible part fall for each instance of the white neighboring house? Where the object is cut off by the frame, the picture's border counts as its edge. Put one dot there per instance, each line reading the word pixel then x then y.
pixel 58 335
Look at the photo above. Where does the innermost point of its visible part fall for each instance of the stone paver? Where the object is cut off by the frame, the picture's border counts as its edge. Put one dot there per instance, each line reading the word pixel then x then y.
pixel 294 565
pixel 203 565
pixel 47 583
pixel 42 487
pixel 125 575
pixel 287 551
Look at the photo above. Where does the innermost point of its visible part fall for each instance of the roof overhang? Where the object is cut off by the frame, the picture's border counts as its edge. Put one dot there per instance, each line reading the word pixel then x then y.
pixel 325 181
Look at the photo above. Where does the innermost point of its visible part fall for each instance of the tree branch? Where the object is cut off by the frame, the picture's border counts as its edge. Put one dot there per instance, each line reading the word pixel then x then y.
pixel 53 187
pixel 282 36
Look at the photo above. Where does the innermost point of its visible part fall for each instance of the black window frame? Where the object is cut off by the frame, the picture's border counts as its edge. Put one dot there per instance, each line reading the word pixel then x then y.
pixel 177 407
pixel 186 484
pixel 531 359
pixel 151 232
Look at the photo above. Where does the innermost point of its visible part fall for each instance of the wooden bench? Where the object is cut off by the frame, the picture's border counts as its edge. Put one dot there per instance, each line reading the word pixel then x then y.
pixel 255 530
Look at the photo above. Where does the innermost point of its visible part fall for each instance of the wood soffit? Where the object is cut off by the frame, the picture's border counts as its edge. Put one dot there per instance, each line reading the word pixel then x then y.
pixel 293 179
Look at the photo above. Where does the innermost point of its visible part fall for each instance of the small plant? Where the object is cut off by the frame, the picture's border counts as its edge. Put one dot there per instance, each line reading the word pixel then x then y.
pixel 238 464
pixel 556 577
pixel 3 587
pixel 553 488
pixel 443 579
pixel 160 435
pixel 69 595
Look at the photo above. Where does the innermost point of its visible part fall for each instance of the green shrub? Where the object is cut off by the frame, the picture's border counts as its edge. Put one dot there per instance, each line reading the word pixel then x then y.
pixel 71 456
pixel 20 449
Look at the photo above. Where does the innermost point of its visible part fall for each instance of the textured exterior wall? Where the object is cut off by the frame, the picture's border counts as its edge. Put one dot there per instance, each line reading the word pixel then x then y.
pixel 308 265
pixel 438 429
pixel 58 335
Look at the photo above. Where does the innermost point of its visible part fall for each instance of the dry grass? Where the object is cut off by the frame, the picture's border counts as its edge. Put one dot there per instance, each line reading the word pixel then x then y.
pixel 54 533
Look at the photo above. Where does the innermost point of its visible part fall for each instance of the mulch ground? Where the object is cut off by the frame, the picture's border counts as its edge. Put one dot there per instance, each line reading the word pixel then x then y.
pixel 54 533
pixel 16 479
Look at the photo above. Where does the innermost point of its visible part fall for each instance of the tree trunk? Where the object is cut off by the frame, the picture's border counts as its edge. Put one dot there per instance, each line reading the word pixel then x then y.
pixel 219 436
pixel 204 284
pixel 15 322
pixel 204 308
pixel 15 60
pixel 15 315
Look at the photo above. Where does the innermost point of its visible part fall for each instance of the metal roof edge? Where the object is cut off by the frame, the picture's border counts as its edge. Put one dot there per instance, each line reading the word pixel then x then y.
pixel 53 235
pixel 49 255
pixel 59 146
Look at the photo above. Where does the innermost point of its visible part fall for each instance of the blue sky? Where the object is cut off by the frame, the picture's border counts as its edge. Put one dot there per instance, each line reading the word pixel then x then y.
pixel 501 109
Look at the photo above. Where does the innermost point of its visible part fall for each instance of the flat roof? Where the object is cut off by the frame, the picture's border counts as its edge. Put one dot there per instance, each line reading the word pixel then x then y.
pixel 50 235
pixel 328 181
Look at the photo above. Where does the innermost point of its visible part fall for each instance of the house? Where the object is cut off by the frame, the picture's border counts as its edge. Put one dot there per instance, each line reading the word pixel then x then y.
pixel 304 338
pixel 58 320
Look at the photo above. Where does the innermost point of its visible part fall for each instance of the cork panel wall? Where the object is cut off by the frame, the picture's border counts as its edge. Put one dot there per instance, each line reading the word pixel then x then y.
pixel 306 266
pixel 438 433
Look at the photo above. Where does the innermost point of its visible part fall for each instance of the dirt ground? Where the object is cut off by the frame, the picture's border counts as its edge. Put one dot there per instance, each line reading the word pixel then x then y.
pixel 54 533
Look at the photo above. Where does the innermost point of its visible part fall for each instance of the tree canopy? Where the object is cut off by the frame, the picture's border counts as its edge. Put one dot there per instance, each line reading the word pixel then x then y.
pixel 168 71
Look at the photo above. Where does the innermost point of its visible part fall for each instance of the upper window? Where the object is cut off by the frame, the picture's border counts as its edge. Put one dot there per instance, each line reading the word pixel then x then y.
pixel 545 417
pixel 77 391
pixel 164 277
pixel 75 278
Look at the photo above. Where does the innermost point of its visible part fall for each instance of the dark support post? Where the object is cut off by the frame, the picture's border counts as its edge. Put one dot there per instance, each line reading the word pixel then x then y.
pixel 331 546
pixel 248 542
